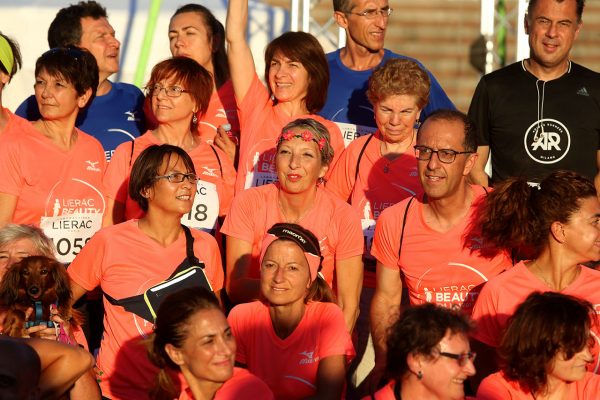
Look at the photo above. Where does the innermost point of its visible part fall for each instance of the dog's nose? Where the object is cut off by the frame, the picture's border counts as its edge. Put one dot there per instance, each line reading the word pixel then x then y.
pixel 33 290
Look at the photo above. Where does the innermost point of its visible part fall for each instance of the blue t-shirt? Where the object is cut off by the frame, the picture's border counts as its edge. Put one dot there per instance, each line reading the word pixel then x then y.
pixel 114 118
pixel 347 103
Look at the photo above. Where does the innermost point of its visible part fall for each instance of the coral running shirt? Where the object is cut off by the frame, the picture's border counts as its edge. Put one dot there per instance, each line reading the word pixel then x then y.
pixel 497 387
pixel 333 222
pixel 261 123
pixel 222 109
pixel 242 385
pixel 289 366
pixel 501 296
pixel 443 268
pixel 214 191
pixel 125 262
pixel 58 190
pixel 380 183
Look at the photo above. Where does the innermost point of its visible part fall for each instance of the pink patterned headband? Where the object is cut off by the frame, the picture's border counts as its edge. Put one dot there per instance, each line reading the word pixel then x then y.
pixel 305 135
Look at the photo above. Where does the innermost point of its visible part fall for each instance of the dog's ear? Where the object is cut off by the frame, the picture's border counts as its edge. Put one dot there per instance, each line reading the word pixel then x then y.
pixel 9 287
pixel 62 283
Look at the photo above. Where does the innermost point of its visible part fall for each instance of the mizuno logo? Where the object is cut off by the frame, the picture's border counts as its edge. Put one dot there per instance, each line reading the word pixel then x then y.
pixel 93 166
pixel 209 171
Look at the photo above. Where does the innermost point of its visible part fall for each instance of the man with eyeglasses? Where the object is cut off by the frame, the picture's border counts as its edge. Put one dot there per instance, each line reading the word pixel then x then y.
pixel 350 67
pixel 430 244
pixel 116 114
pixel 540 114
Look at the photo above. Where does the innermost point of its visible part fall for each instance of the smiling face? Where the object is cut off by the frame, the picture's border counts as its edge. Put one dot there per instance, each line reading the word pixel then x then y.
pixel 442 180
pixel 443 377
pixel 552 28
pixel 299 166
pixel 208 352
pixel 288 79
pixel 57 99
pixel 572 369
pixel 582 231
pixel 396 116
pixel 98 36
pixel 171 198
pixel 368 34
pixel 188 37
pixel 284 273
pixel 168 109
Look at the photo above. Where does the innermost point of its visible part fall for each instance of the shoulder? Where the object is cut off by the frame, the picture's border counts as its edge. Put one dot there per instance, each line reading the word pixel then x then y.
pixel 126 89
pixel 333 56
pixel 262 193
pixel 398 210
pixel 317 310
pixel 503 74
pixel 246 311
pixel 495 386
pixel 325 198
pixel 244 384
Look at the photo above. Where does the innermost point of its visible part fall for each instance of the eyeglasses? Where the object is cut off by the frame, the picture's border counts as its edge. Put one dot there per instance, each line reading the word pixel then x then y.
pixel 171 91
pixel 447 156
pixel 374 13
pixel 460 358
pixel 178 177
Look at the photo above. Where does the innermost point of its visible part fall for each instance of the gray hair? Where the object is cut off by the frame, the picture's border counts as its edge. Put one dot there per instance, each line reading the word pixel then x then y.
pixel 13 232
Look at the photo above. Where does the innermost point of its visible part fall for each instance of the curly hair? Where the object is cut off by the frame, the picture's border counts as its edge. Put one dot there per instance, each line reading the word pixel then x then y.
pixel 518 216
pixel 399 76
pixel 543 326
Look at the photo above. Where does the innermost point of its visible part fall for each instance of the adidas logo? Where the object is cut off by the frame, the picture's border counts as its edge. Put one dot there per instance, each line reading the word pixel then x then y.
pixel 583 92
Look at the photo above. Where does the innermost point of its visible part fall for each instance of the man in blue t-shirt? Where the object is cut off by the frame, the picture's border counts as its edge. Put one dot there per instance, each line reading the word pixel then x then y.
pixel 350 67
pixel 115 115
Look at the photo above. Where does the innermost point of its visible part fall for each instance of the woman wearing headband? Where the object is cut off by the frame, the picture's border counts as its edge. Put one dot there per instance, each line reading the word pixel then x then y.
pixel 10 63
pixel 51 172
pixel 302 159
pixel 294 339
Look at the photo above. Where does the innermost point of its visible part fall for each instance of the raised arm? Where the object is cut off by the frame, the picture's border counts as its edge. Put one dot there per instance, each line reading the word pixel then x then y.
pixel 241 63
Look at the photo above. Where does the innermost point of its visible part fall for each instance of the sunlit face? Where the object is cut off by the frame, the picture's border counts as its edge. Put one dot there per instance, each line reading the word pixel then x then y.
pixel 98 36
pixel 168 197
pixel 552 29
pixel 169 109
pixel 288 79
pixel 208 352
pixel 443 377
pixel 284 273
pixel 299 166
pixel 582 231
pixel 57 99
pixel 368 34
pixel 188 37
pixel 14 252
pixel 396 116
pixel 572 369
pixel 440 180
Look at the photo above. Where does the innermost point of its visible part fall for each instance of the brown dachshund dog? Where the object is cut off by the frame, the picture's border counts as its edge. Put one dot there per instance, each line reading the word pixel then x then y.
pixel 35 282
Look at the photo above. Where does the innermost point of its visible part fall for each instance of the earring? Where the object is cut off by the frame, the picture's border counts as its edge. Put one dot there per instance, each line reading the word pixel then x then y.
pixel 195 119
pixel 419 375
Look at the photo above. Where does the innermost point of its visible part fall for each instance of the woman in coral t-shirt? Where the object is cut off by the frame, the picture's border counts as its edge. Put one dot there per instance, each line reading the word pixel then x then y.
pixel 131 260
pixel 545 351
pixel 191 335
pixel 295 339
pixel 297 77
pixel 302 159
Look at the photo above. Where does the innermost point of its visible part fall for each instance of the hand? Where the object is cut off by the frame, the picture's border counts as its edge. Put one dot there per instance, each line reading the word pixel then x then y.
pixel 226 143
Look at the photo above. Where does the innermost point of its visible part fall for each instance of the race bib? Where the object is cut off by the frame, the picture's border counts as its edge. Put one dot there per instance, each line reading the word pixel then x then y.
pixel 70 232
pixel 205 209
pixel 352 131
pixel 262 170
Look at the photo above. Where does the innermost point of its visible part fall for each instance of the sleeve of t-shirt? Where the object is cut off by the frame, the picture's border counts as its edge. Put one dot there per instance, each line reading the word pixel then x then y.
pixel 29 109
pixel 86 268
pixel 116 178
pixel 341 180
pixel 334 337
pixel 11 176
pixel 211 256
pixel 478 113
pixel 492 389
pixel 350 236
pixel 485 315
pixel 238 322
pixel 239 223
pixel 386 240
pixel 228 186
pixel 438 99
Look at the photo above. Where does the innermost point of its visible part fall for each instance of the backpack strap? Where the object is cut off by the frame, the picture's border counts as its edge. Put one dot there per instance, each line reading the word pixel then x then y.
pixel 404 225
pixel 360 156
pixel 131 153
pixel 218 159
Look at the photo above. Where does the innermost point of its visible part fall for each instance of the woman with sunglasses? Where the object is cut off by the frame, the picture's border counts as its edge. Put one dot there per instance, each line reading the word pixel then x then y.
pixel 428 355
pixel 297 76
pixel 130 261
pixel 51 172
pixel 294 338
pixel 177 96
pixel 545 352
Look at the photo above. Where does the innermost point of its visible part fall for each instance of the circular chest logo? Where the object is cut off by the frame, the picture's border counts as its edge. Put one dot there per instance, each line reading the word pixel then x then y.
pixel 547 141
